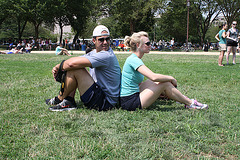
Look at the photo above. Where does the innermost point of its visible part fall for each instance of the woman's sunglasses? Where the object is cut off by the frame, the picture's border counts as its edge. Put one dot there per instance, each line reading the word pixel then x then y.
pixel 148 43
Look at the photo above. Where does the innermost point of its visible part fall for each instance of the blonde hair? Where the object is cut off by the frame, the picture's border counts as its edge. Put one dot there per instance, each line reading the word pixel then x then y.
pixel 132 41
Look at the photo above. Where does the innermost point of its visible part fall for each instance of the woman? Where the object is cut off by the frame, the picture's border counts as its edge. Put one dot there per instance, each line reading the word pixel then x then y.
pixel 62 51
pixel 232 42
pixel 137 94
pixel 221 37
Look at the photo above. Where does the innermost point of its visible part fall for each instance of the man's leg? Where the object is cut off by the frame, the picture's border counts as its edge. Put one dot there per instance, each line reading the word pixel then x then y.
pixel 80 79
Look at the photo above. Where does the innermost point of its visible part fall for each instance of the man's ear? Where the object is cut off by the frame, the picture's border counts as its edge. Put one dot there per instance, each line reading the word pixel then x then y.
pixel 94 40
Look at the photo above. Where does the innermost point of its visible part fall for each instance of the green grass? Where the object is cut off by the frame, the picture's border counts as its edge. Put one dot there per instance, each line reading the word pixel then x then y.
pixel 164 131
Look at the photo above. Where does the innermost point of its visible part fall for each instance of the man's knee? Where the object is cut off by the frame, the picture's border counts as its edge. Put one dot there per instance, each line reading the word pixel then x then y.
pixel 77 72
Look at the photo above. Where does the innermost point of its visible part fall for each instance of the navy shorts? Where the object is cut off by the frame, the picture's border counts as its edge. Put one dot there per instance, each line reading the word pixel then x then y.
pixel 95 98
pixel 131 103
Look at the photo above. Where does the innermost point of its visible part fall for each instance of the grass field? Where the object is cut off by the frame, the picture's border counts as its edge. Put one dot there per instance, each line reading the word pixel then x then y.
pixel 164 131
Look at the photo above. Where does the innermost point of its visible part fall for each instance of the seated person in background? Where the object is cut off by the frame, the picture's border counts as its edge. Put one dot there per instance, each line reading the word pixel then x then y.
pixel 62 51
pixel 28 48
pixel 12 51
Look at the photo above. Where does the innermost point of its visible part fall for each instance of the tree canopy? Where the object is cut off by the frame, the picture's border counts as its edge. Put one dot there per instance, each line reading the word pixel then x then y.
pixel 162 19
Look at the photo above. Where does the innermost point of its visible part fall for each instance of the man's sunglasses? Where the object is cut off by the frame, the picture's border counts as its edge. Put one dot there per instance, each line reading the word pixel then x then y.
pixel 148 43
pixel 103 39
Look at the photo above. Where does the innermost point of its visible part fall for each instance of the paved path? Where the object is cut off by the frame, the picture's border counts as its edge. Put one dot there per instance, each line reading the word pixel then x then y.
pixel 151 52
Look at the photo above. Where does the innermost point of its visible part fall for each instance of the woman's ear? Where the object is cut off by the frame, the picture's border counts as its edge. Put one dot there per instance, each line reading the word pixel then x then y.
pixel 137 45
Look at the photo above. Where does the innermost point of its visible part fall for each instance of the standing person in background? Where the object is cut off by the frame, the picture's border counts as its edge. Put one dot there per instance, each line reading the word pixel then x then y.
pixel 221 37
pixel 172 43
pixel 66 43
pixel 138 94
pixel 232 42
pixel 50 44
pixel 47 43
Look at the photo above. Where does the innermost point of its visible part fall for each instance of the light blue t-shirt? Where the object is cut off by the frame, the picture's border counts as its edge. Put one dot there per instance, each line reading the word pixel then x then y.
pixel 222 40
pixel 58 49
pixel 131 78
pixel 106 72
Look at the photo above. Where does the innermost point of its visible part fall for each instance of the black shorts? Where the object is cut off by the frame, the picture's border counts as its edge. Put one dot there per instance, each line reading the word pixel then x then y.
pixel 131 103
pixel 95 98
pixel 232 43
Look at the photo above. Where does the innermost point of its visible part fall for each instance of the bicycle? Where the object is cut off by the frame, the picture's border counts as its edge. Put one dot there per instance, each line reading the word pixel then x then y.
pixel 187 49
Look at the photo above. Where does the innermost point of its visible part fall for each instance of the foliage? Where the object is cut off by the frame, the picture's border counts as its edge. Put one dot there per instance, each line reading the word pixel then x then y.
pixel 210 35
pixel 78 12
pixel 205 13
pixel 164 131
pixel 133 16
pixel 9 30
pixel 4 12
pixel 59 18
pixel 38 12
pixel 122 17
pixel 173 22
pixel 230 10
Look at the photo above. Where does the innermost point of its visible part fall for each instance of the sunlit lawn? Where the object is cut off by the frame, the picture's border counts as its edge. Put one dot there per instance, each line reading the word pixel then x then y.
pixel 164 131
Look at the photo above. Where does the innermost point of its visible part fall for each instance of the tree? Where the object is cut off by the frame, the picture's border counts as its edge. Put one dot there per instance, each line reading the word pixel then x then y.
pixel 173 22
pixel 4 12
pixel 229 9
pixel 132 16
pixel 19 12
pixel 39 11
pixel 77 13
pixel 59 8
pixel 206 12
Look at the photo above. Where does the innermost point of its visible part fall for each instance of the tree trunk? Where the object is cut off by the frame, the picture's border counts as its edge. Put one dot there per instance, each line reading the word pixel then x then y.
pixel 61 33
pixel 36 26
pixel 21 29
pixel 75 37
pixel 131 26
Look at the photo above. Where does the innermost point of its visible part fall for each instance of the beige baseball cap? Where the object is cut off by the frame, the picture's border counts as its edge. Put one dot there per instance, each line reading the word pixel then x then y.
pixel 99 29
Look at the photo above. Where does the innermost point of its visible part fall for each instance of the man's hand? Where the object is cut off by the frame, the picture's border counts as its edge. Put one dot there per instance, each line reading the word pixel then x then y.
pixel 55 70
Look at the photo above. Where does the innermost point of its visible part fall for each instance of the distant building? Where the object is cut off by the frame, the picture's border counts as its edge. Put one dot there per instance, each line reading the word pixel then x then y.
pixel 67 32
pixel 219 21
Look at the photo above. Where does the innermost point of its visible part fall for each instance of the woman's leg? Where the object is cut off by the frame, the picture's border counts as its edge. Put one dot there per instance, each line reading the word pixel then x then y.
pixel 229 48
pixel 220 59
pixel 234 49
pixel 150 91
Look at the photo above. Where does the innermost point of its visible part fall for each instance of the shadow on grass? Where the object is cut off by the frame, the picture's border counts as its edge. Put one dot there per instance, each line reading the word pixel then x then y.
pixel 164 105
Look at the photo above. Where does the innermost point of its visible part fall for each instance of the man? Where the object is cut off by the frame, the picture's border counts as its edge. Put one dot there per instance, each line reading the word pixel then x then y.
pixel 100 87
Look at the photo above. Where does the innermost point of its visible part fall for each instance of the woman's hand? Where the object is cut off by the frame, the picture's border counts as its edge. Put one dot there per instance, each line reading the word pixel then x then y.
pixel 174 82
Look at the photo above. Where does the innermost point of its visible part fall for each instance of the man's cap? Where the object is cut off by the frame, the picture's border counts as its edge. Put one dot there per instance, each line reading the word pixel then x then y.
pixel 99 29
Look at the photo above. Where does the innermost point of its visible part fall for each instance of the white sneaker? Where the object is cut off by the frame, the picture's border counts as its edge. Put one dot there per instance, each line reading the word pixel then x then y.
pixel 196 105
